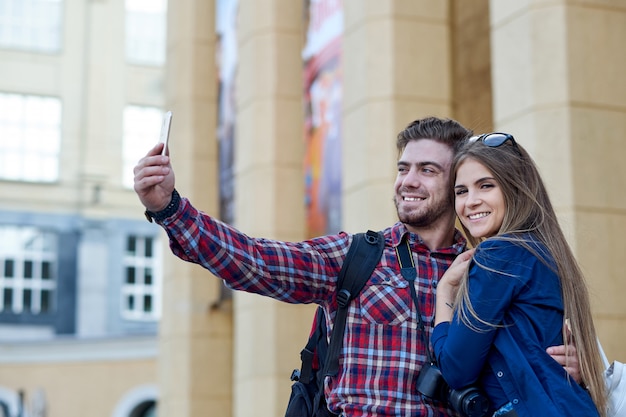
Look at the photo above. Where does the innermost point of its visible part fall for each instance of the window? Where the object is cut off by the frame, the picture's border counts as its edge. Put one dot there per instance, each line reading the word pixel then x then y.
pixel 32 25
pixel 30 137
pixel 141 288
pixel 27 269
pixel 146 30
pixel 142 126
pixel 146 409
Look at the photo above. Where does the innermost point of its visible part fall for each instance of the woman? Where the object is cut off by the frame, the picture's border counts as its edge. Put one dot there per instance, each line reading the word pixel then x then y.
pixel 500 307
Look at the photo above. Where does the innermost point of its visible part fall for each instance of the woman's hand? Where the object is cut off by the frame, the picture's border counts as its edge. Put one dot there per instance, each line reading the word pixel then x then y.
pixel 452 277
pixel 448 286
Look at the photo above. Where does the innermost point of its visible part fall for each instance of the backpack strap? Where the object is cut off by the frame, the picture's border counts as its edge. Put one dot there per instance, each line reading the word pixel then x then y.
pixel 308 353
pixel 363 256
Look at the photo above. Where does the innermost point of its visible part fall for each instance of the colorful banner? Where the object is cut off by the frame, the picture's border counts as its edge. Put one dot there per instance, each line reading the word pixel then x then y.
pixel 323 95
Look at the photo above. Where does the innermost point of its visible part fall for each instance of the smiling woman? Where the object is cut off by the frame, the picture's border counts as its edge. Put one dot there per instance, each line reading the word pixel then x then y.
pixel 479 201
pixel 499 309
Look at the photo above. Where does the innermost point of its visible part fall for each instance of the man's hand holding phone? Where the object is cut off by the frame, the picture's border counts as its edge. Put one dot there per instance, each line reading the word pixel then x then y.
pixel 154 177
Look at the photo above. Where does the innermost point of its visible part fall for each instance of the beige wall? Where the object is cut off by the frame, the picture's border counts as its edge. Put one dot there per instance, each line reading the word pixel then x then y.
pixel 80 378
pixel 76 389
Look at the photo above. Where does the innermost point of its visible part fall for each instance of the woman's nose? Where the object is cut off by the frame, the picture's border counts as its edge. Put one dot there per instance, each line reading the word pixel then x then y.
pixel 472 199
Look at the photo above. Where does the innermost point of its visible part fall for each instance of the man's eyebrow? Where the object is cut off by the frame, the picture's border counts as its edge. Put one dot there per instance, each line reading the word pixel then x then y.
pixel 423 164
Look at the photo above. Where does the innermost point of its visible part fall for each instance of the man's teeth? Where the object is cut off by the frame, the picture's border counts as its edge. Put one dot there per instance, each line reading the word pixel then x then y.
pixel 412 199
pixel 477 215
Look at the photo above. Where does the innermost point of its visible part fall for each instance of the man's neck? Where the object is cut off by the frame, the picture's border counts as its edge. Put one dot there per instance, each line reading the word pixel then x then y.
pixel 438 235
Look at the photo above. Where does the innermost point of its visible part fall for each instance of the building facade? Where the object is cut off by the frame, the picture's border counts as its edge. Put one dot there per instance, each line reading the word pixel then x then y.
pixel 99 298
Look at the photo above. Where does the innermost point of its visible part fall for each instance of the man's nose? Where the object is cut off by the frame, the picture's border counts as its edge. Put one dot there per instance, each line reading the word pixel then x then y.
pixel 411 179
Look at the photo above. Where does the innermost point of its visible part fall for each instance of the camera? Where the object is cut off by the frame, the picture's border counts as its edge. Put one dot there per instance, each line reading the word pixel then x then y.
pixel 469 401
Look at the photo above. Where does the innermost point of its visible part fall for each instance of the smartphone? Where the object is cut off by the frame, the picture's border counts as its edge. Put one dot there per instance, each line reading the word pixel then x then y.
pixel 165 131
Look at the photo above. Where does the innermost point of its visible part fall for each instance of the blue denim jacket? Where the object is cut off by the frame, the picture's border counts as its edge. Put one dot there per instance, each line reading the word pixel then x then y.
pixel 517 289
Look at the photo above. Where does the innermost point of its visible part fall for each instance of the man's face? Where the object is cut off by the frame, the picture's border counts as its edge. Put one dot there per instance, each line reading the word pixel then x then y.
pixel 422 188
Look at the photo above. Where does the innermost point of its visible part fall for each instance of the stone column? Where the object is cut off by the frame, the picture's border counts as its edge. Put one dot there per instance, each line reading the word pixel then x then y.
pixel 269 195
pixel 397 67
pixel 195 343
pixel 558 86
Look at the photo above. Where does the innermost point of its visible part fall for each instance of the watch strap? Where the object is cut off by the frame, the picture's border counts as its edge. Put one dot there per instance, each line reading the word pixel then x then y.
pixel 168 211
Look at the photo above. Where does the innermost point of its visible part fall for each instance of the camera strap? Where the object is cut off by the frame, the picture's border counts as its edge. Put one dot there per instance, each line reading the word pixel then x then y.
pixel 408 271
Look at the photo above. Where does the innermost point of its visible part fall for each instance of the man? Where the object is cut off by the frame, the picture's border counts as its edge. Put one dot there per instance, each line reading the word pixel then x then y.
pixel 383 350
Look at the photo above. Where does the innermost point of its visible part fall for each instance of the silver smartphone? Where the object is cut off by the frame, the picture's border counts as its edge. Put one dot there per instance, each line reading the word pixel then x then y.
pixel 165 131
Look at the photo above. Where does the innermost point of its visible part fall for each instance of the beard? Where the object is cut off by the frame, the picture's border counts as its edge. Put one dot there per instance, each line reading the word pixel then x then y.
pixel 423 216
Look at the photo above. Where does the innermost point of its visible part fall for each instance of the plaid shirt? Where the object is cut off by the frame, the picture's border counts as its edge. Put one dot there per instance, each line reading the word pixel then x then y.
pixel 382 349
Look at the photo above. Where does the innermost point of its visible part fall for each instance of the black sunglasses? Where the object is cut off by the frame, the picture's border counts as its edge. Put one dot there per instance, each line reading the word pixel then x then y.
pixel 496 139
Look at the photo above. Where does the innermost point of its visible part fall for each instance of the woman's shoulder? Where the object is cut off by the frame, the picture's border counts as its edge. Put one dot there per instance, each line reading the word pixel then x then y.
pixel 511 241
pixel 516 248
pixel 505 242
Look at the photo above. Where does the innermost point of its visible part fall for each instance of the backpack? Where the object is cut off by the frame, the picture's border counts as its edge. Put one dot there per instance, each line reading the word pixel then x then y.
pixel 319 358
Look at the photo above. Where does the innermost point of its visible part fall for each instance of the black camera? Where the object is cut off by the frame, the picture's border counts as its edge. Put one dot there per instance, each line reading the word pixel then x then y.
pixel 469 401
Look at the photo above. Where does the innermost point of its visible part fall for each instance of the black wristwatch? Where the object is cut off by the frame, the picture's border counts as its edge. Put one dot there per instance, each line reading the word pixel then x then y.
pixel 171 208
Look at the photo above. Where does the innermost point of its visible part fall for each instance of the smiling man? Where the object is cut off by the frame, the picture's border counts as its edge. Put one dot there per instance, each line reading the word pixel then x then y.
pixel 422 197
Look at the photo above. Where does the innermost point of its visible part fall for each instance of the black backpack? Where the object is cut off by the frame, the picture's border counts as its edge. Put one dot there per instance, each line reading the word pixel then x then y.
pixel 318 357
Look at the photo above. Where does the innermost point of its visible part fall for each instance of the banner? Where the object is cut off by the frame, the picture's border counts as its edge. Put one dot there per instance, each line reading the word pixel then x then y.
pixel 323 89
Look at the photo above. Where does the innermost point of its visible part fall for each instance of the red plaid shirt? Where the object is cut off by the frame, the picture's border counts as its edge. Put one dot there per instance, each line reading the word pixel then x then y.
pixel 382 349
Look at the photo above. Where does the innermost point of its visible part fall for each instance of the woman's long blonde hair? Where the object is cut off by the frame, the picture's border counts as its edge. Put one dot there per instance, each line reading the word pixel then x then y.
pixel 529 211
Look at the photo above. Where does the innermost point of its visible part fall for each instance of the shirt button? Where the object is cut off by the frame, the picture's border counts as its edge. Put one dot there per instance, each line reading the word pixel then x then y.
pixel 434 284
pixel 515 401
pixel 500 374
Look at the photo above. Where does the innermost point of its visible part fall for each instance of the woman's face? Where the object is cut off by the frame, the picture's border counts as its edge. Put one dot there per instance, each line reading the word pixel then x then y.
pixel 479 202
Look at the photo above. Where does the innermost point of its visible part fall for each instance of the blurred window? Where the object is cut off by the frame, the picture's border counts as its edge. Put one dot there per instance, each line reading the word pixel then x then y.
pixel 141 288
pixel 28 258
pixel 31 25
pixel 146 32
pixel 30 137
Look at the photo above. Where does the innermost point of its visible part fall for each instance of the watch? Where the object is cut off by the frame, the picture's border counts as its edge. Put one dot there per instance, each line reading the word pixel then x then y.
pixel 168 211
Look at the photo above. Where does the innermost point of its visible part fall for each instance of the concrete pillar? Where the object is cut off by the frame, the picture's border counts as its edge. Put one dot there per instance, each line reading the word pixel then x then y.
pixel 269 195
pixel 471 64
pixel 397 68
pixel 195 341
pixel 558 86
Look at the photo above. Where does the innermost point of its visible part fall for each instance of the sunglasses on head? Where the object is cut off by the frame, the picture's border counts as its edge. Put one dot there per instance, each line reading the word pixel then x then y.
pixel 496 139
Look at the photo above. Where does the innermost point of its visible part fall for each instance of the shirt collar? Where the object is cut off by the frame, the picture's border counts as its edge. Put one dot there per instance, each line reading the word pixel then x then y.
pixel 399 230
